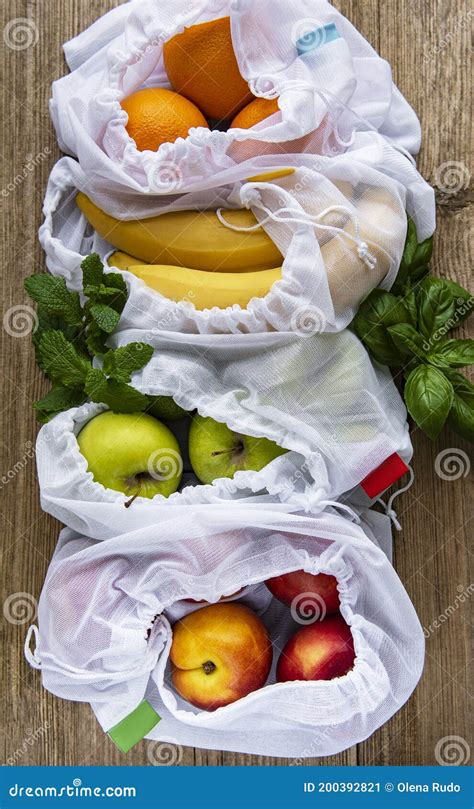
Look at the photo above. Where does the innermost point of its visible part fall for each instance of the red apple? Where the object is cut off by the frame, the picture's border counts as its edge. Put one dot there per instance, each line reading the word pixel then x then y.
pixel 319 651
pixel 311 596
pixel 219 654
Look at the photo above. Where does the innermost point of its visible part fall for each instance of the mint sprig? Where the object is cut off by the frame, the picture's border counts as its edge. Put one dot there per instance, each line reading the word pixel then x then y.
pixel 407 328
pixel 70 343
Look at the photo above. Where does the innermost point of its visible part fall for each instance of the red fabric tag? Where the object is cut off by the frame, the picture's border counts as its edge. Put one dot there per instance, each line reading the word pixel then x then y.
pixel 384 476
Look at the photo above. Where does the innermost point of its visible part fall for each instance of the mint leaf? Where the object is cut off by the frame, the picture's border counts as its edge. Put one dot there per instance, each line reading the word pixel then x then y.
pixel 429 397
pixel 115 281
pixel 96 340
pixel 118 396
pixel 123 362
pixel 54 298
pixel 106 318
pixel 408 340
pixel 58 399
pixel 454 354
pixel 436 307
pixel 92 271
pixel 61 361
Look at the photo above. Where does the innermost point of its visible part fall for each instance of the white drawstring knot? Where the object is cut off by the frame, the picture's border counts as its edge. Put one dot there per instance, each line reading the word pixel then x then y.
pixel 307 219
pixel 389 510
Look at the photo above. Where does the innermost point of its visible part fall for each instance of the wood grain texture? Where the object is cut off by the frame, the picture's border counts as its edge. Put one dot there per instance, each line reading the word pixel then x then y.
pixel 426 42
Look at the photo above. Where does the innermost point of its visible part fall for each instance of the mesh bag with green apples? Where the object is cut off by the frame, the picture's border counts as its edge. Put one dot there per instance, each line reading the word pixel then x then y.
pixel 305 423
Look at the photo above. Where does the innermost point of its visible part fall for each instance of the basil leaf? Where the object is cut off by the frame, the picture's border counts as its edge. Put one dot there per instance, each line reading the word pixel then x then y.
pixel 461 416
pixel 454 354
pixel 423 254
pixel 411 305
pixel 436 309
pixel 408 340
pixel 429 397
pixel 463 301
pixel 379 311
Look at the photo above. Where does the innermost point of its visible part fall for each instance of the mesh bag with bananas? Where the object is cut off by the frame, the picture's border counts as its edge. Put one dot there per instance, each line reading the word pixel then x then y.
pixel 107 618
pixel 295 250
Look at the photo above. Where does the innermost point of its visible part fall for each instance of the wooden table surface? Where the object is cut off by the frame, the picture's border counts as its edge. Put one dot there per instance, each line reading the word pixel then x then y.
pixel 426 41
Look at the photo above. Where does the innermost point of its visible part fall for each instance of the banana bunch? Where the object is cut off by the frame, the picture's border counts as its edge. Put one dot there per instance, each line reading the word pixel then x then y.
pixel 191 255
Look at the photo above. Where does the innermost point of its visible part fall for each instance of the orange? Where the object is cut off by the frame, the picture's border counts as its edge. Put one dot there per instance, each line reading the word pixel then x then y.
pixel 201 65
pixel 255 112
pixel 157 116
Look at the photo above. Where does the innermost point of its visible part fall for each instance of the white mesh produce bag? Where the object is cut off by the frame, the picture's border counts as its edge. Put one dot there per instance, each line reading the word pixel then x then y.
pixel 339 222
pixel 317 396
pixel 100 599
pixel 326 75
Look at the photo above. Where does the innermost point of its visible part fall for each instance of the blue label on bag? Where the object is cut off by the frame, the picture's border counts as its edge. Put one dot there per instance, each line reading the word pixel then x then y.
pixel 317 38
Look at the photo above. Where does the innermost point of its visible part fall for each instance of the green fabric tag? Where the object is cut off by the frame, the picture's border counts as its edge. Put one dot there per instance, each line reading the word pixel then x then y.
pixel 131 730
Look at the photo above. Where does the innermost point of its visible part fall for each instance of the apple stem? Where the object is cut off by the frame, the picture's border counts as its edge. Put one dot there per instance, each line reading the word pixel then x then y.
pixel 227 451
pixel 137 494
pixel 209 667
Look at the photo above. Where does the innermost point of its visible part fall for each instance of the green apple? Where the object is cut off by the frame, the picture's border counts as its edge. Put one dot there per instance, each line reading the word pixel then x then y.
pixel 215 451
pixel 164 407
pixel 132 453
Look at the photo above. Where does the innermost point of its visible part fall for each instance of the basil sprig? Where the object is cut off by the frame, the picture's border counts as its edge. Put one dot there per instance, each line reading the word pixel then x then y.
pixel 408 328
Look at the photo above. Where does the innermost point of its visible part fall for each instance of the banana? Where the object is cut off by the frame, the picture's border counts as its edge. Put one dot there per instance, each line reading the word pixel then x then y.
pixel 205 289
pixel 122 260
pixel 188 238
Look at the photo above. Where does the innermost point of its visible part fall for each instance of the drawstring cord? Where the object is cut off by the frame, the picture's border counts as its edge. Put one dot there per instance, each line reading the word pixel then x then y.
pixel 32 658
pixel 362 247
pixel 389 510
pixel 341 507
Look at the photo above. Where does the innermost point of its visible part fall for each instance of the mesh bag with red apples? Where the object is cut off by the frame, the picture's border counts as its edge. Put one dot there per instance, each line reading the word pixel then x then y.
pixel 124 621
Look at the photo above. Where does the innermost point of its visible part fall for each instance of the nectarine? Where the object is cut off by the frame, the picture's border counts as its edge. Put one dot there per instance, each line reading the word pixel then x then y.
pixel 314 596
pixel 320 651
pixel 219 654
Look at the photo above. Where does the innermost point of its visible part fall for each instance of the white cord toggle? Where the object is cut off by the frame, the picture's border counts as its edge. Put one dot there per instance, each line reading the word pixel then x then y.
pixel 389 510
pixel 307 219
pixel 32 658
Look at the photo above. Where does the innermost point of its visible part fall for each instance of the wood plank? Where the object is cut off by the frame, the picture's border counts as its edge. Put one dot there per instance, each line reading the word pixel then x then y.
pixel 426 42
